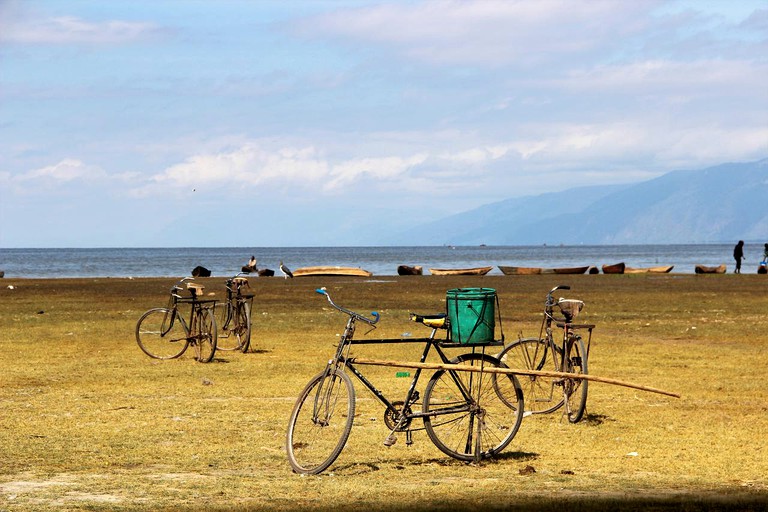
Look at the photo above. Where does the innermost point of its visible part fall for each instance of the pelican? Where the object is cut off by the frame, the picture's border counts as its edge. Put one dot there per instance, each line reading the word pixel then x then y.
pixel 286 271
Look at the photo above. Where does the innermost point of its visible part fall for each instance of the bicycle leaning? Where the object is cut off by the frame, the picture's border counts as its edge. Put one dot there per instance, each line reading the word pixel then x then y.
pixel 466 414
pixel 163 333
pixel 547 394
pixel 234 316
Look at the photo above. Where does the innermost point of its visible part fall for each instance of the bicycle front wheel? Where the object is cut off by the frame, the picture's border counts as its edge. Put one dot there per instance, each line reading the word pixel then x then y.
pixel 575 390
pixel 467 418
pixel 204 335
pixel 535 354
pixel 320 422
pixel 160 334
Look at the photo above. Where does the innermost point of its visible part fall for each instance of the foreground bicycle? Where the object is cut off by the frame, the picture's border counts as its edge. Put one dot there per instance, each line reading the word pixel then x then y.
pixel 466 414
pixel 234 316
pixel 547 394
pixel 163 333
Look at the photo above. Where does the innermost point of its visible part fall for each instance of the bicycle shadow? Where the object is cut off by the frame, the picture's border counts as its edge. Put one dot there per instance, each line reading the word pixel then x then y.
pixel 360 468
pixel 595 420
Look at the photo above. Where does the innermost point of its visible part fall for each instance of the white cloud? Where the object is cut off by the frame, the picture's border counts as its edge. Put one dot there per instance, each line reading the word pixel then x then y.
pixel 385 168
pixel 488 32
pixel 74 30
pixel 69 169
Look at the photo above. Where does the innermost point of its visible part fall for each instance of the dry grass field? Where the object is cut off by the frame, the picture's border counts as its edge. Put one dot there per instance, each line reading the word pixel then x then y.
pixel 88 422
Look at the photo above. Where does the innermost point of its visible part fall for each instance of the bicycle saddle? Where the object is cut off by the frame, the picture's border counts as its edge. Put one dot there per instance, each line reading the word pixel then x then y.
pixel 439 321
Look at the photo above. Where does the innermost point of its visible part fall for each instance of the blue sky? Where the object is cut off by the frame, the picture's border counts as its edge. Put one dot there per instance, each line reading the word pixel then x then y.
pixel 273 123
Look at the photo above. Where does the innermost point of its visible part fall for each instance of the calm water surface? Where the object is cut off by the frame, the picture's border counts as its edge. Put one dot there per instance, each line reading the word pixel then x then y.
pixel 224 261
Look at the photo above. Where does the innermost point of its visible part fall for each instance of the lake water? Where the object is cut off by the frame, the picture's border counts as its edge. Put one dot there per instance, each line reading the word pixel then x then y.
pixel 225 261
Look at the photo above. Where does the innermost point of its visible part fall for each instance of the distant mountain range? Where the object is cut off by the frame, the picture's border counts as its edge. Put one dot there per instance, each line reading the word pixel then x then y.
pixel 718 204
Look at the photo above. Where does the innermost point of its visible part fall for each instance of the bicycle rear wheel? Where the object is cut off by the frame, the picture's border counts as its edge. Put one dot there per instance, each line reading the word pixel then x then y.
pixel 243 324
pixel 535 354
pixel 225 320
pixel 204 335
pixel 467 417
pixel 320 422
pixel 575 390
pixel 160 334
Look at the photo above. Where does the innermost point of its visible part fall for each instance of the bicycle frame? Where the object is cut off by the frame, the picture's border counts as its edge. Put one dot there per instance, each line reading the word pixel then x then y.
pixel 196 307
pixel 342 360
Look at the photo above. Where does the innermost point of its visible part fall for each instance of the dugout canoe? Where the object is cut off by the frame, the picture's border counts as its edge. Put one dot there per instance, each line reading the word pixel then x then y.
pixel 476 271
pixel 703 269
pixel 571 270
pixel 649 270
pixel 408 270
pixel 616 268
pixel 331 271
pixel 519 271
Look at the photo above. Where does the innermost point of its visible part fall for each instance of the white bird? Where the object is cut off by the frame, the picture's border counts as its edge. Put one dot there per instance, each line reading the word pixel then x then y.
pixel 285 270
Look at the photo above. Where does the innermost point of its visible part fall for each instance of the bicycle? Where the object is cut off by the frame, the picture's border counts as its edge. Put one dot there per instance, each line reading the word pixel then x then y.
pixel 543 353
pixel 234 316
pixel 163 333
pixel 462 411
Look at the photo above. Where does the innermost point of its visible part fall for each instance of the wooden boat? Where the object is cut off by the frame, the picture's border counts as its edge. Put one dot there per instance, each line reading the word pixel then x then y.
pixel 571 270
pixel 649 270
pixel 331 271
pixel 703 269
pixel 477 271
pixel 616 268
pixel 519 271
pixel 408 270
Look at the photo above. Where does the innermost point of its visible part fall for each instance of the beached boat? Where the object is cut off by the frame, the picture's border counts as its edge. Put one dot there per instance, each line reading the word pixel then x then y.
pixel 477 271
pixel 616 268
pixel 331 271
pixel 519 271
pixel 648 270
pixel 408 270
pixel 571 270
pixel 703 269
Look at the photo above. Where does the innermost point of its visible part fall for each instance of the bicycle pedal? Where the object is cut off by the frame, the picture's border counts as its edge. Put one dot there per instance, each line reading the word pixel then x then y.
pixel 390 440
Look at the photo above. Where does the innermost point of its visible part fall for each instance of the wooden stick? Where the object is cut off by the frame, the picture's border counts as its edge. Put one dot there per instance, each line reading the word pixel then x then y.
pixel 541 373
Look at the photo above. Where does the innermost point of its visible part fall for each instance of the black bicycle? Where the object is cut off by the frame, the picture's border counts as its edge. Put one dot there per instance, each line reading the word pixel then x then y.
pixel 163 333
pixel 234 316
pixel 466 414
pixel 545 394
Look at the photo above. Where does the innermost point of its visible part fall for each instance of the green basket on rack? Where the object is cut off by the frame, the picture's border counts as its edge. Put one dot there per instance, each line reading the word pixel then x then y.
pixel 472 315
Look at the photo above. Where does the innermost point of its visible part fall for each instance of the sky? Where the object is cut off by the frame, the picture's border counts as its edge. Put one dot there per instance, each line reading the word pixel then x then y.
pixel 145 123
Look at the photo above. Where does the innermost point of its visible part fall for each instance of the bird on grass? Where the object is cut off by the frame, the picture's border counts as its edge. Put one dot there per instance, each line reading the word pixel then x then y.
pixel 286 271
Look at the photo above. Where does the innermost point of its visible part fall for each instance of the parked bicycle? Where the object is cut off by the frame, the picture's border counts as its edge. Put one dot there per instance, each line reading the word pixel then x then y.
pixel 234 316
pixel 463 412
pixel 163 333
pixel 547 394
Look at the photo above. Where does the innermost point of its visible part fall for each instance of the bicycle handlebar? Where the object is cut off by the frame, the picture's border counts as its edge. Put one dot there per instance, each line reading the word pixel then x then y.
pixel 549 302
pixel 357 316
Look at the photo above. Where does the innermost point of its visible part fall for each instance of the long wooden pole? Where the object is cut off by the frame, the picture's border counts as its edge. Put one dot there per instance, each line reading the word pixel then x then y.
pixel 516 371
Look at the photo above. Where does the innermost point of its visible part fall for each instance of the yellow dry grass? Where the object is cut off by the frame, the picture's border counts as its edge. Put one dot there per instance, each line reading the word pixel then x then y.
pixel 89 422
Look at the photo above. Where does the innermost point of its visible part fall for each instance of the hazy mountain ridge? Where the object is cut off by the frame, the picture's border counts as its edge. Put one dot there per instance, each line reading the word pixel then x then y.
pixel 721 203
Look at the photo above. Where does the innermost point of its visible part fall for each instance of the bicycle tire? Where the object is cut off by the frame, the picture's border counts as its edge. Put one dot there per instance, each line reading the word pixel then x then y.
pixel 161 335
pixel 319 428
pixel 478 427
pixel 226 320
pixel 575 390
pixel 244 325
pixel 203 335
pixel 535 354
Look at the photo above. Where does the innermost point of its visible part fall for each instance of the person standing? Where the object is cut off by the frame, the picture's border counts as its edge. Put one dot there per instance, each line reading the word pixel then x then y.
pixel 738 255
pixel 765 254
